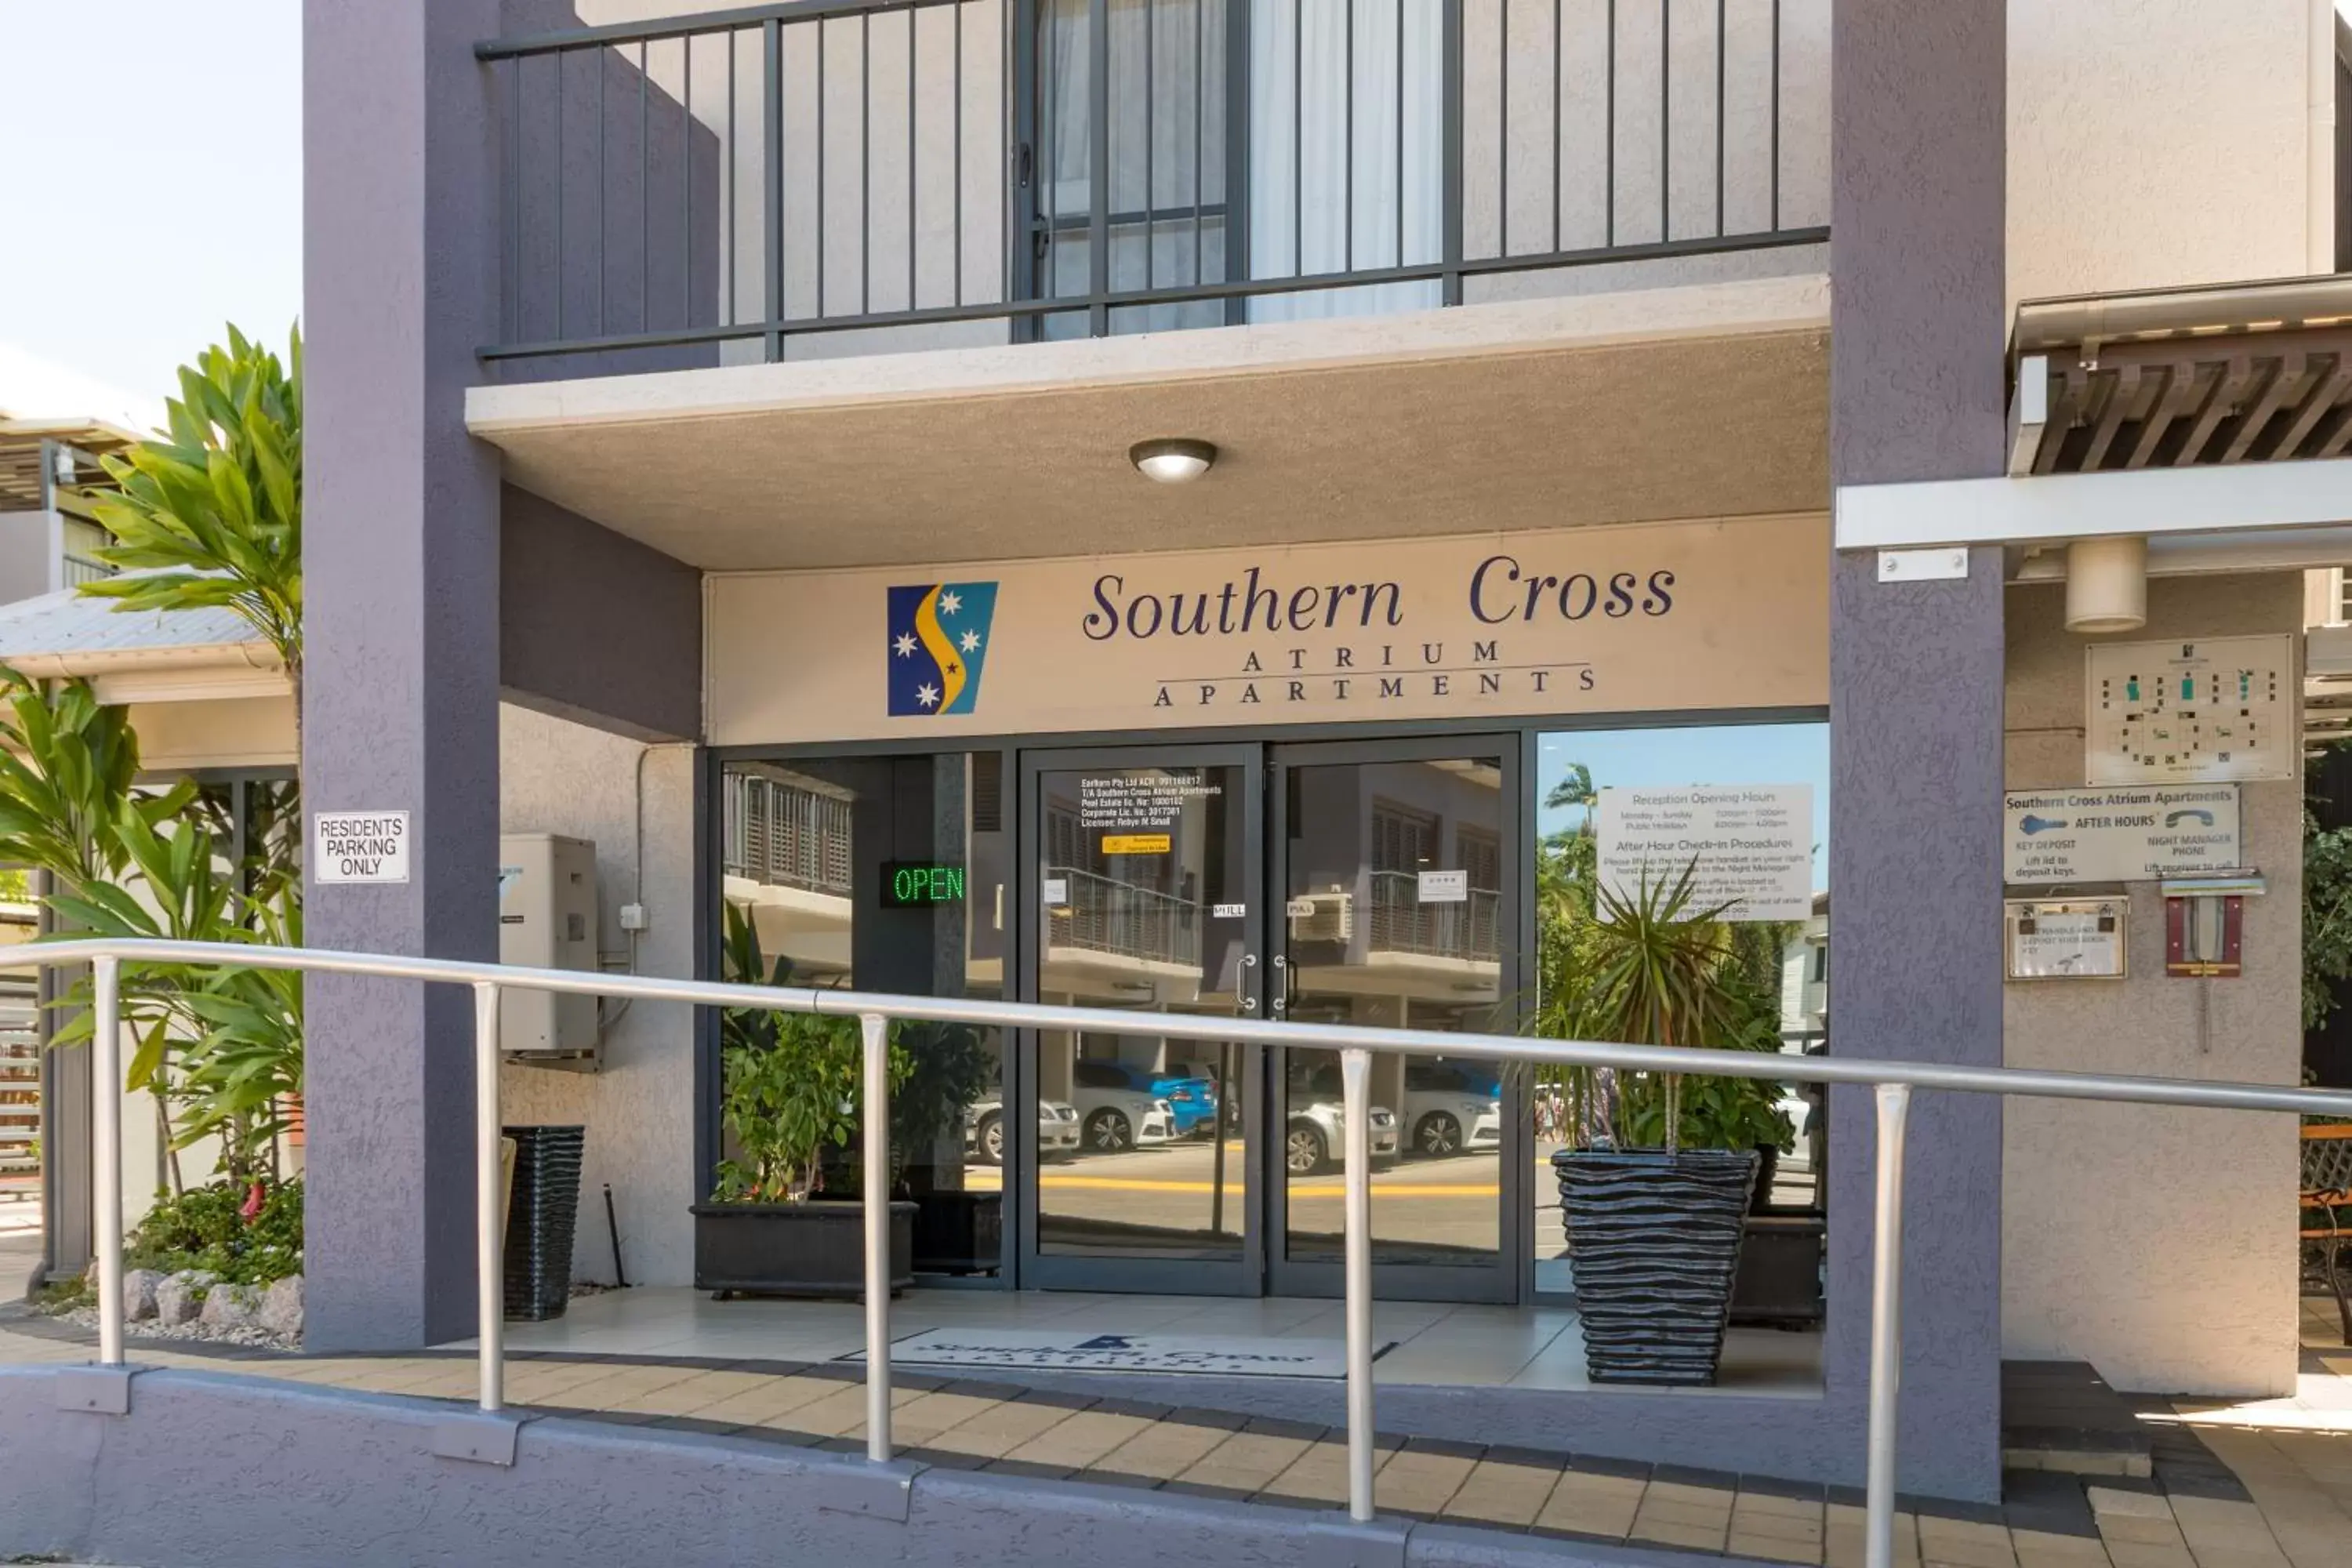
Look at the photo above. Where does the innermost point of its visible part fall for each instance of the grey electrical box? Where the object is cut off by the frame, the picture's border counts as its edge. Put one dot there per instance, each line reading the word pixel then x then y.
pixel 547 920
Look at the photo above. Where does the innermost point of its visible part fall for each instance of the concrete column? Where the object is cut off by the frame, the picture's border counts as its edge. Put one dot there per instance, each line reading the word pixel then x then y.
pixel 401 272
pixel 1917 392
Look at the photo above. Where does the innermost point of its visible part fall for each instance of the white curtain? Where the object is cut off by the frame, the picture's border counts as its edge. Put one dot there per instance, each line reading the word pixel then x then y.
pixel 1342 91
pixel 1166 154
pixel 1331 97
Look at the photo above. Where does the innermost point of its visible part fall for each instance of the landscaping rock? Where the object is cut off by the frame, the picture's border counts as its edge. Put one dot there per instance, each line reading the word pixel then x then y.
pixel 139 1286
pixel 281 1307
pixel 232 1305
pixel 181 1296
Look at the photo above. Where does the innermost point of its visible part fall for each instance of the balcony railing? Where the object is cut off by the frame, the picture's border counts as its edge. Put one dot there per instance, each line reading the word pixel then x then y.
pixel 1471 929
pixel 921 174
pixel 786 837
pixel 1100 914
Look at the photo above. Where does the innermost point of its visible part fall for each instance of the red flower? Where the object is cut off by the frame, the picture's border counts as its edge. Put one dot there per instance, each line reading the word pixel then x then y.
pixel 251 1210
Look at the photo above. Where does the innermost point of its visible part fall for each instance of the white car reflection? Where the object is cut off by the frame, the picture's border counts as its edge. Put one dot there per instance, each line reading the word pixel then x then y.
pixel 983 1131
pixel 1449 1110
pixel 1317 1127
pixel 1114 1115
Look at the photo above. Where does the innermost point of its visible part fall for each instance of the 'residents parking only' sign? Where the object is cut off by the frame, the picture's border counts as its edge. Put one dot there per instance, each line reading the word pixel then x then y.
pixel 359 846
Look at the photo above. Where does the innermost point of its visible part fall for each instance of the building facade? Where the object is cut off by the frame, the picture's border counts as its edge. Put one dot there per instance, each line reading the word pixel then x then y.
pixel 1626 425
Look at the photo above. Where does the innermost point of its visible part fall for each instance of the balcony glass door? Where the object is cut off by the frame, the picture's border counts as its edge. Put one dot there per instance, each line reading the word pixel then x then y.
pixel 1143 892
pixel 1392 903
pixel 1177 145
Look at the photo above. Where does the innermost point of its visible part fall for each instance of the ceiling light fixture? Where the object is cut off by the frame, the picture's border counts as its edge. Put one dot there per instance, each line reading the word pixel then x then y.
pixel 1172 462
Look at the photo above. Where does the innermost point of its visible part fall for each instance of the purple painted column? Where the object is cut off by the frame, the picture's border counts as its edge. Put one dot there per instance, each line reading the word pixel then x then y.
pixel 400 187
pixel 1917 391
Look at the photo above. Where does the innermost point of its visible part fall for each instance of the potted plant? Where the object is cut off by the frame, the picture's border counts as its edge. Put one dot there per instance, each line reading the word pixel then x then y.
pixel 1660 1175
pixel 790 1085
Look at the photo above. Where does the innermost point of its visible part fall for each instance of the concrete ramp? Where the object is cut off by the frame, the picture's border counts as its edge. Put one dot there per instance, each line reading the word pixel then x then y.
pixel 189 1469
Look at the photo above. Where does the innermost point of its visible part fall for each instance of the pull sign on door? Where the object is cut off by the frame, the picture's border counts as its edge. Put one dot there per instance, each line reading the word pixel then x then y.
pixel 359 846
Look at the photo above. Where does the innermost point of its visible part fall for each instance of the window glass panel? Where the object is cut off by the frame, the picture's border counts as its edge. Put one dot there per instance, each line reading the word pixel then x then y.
pixel 888 874
pixel 1602 796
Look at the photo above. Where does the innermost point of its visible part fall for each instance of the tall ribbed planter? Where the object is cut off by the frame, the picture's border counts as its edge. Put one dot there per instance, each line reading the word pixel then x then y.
pixel 1653 1247
pixel 542 1212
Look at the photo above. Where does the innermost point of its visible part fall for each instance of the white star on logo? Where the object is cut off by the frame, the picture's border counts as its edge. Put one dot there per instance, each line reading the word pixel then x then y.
pixel 950 603
pixel 905 647
pixel 928 695
pixel 970 642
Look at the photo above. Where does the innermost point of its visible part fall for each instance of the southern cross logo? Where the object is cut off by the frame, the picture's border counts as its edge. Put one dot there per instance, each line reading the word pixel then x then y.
pixel 938 642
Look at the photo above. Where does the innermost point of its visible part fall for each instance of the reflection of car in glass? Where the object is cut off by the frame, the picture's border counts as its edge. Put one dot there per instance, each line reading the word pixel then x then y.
pixel 1317 1124
pixel 1113 1113
pixel 1207 1073
pixel 1451 1107
pixel 983 1131
pixel 1191 1097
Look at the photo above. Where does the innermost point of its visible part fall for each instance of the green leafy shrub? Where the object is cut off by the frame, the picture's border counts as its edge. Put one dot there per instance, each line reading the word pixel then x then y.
pixel 219 1228
pixel 790 1083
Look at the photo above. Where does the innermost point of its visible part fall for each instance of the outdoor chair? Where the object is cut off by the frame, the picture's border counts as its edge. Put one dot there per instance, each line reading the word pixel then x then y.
pixel 2326 1209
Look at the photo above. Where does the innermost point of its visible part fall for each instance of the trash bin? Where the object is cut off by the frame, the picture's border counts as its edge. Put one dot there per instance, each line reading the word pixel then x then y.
pixel 543 1211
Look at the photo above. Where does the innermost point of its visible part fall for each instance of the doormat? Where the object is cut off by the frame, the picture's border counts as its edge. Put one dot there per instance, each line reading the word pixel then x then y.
pixel 1078 1351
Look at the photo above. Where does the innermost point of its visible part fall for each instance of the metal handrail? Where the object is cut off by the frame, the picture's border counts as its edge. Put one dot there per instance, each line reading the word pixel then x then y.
pixel 1893 1082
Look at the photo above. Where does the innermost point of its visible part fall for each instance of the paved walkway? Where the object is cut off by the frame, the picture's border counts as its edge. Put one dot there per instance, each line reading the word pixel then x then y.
pixel 2253 1486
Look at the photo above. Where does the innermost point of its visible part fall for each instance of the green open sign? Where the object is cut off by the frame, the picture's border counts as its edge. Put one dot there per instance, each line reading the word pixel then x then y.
pixel 913 884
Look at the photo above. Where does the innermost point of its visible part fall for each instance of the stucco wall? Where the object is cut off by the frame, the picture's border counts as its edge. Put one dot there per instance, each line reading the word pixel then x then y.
pixel 2155 142
pixel 560 777
pixel 2155 1243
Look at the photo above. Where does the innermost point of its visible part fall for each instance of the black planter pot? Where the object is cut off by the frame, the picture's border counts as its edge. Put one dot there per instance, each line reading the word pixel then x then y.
pixel 812 1249
pixel 959 1233
pixel 1653 1247
pixel 542 1214
pixel 1767 1171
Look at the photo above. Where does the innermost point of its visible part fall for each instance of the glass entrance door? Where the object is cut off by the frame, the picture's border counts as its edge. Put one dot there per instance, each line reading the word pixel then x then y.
pixel 1394 885
pixel 1143 891
pixel 1371 884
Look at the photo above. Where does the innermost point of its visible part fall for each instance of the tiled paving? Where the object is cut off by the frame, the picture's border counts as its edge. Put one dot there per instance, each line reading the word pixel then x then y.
pixel 2245 1486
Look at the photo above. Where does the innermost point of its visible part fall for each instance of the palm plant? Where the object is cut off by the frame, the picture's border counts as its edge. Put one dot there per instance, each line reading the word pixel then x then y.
pixel 1651 969
pixel 238 1034
pixel 245 1073
pixel 68 765
pixel 212 515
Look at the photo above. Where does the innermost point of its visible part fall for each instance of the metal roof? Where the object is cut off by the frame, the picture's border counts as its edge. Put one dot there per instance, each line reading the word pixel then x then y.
pixel 74 628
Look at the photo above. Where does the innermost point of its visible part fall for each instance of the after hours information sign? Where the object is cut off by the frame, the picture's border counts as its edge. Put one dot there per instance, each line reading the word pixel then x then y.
pixel 359 846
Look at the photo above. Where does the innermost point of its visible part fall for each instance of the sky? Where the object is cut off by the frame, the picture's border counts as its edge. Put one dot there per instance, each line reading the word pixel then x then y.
pixel 156 147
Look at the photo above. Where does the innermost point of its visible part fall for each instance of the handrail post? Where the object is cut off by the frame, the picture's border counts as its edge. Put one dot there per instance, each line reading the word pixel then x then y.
pixel 105 1150
pixel 489 1231
pixel 1885 1327
pixel 877 1138
pixel 1355 1088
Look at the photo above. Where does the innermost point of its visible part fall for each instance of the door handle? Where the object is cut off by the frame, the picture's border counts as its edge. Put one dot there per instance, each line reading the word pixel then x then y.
pixel 1281 985
pixel 1245 998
